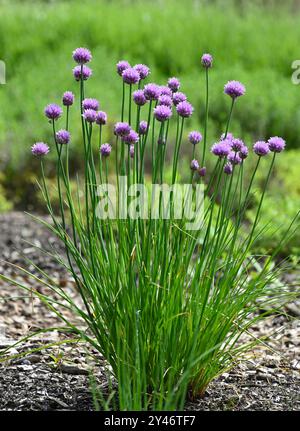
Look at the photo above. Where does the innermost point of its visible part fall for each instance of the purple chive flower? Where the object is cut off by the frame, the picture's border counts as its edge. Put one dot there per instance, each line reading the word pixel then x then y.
pixel 179 97
pixel 82 55
pixel 202 171
pixel 131 76
pixel 237 144
pixel 131 138
pixel 229 136
pixel 101 118
pixel 228 168
pixel 89 115
pixel 165 91
pixel 222 148
pixel 143 70
pixel 184 109
pixel 90 104
pixel 53 111
pixel 131 151
pixel 105 150
pixel 162 113
pixel 122 129
pixel 234 158
pixel 40 149
pixel 174 84
pixel 165 100
pixel 234 89
pixel 195 137
pixel 206 60
pixel 86 73
pixel 194 165
pixel 276 144
pixel 68 98
pixel 143 127
pixel 121 66
pixel 243 153
pixel 261 148
pixel 63 137
pixel 152 91
pixel 139 97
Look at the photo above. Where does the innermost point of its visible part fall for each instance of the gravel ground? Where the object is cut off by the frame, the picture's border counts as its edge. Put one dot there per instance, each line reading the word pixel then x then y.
pixel 58 376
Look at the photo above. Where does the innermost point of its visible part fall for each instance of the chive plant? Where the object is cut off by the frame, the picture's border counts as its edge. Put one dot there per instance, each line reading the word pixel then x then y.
pixel 165 304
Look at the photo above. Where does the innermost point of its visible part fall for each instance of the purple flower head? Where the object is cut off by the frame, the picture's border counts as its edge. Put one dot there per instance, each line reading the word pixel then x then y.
pixel 179 97
pixel 139 97
pixel 206 60
pixel 131 138
pixel 121 66
pixel 234 158
pixel 162 113
pixel 89 115
pixel 131 151
pixel 53 111
pixel 261 148
pixel 131 76
pixel 195 137
pixel 68 98
pixel 101 118
pixel 174 84
pixel 82 55
pixel 228 168
pixel 165 100
pixel 276 144
pixel 143 127
pixel 63 137
pixel 152 91
pixel 234 89
pixel 194 165
pixel 184 109
pixel 202 171
pixel 90 104
pixel 40 149
pixel 122 129
pixel 229 136
pixel 237 144
pixel 105 150
pixel 243 153
pixel 143 70
pixel 86 73
pixel 222 148
pixel 165 91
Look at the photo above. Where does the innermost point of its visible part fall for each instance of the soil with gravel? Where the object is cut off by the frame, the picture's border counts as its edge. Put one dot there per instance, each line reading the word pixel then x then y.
pixel 53 371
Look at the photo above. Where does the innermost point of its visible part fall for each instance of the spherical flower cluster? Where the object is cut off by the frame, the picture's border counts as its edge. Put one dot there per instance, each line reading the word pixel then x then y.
pixel 222 148
pixel 143 127
pixel 121 66
pixel 131 151
pixel 202 171
pixel 165 91
pixel 152 91
pixel 143 70
pixel 68 98
pixel 237 144
pixel 53 111
pixel 105 150
pixel 122 129
pixel 179 97
pixel 63 137
pixel 195 137
pixel 243 153
pixel 86 73
pixel 90 115
pixel 174 84
pixel 90 104
pixel 228 168
pixel 101 118
pixel 184 109
pixel 194 165
pixel 82 55
pixel 234 89
pixel 261 148
pixel 206 60
pixel 165 100
pixel 139 97
pixel 131 138
pixel 276 144
pixel 228 136
pixel 40 149
pixel 130 76
pixel 162 113
pixel 234 158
